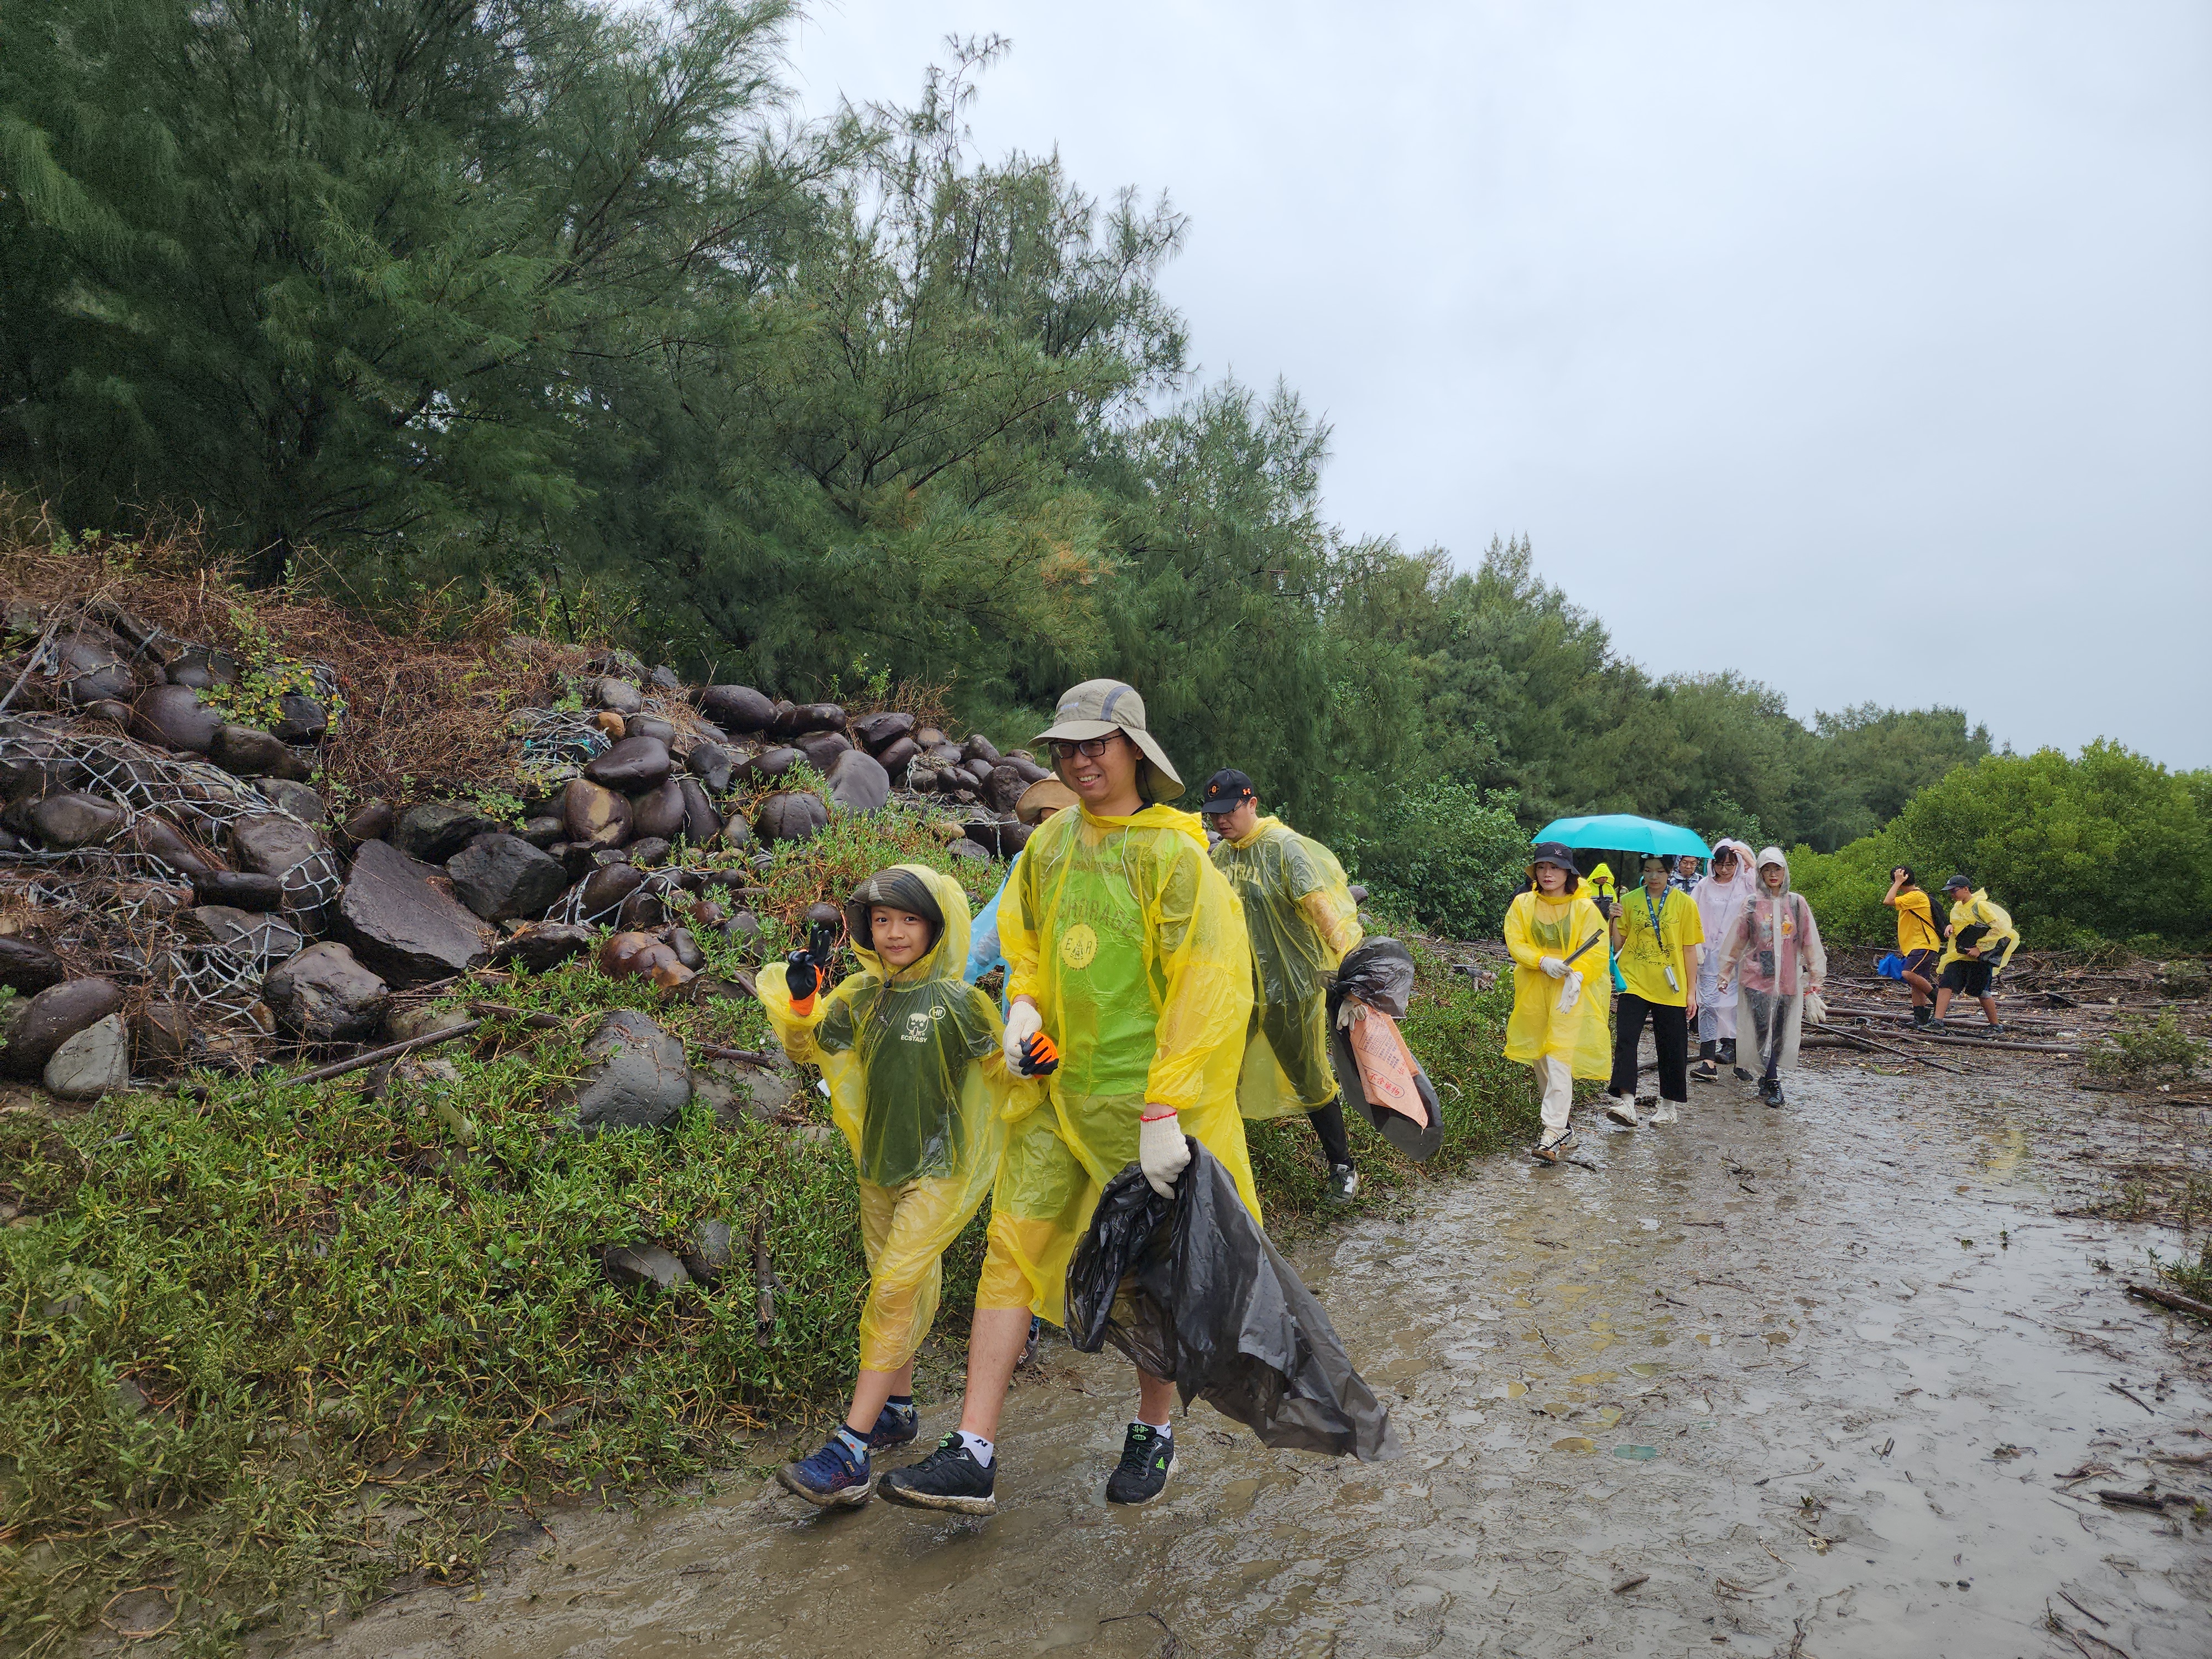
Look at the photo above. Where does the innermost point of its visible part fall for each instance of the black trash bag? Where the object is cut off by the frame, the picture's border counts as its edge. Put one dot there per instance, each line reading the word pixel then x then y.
pixel 1192 1290
pixel 1380 973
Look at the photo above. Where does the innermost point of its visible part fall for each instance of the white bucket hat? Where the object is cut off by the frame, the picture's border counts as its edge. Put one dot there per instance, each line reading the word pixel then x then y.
pixel 1097 708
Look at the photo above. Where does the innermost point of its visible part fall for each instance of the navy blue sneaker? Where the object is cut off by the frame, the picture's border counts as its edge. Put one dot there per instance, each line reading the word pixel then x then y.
pixel 896 1425
pixel 830 1479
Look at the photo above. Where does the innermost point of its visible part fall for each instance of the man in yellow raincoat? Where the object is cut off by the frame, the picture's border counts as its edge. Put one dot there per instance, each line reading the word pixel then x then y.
pixel 918 1082
pixel 1300 913
pixel 1559 1020
pixel 1129 980
pixel 1978 945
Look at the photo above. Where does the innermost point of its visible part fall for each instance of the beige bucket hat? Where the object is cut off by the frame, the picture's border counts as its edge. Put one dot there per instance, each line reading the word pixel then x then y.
pixel 1098 707
pixel 1045 796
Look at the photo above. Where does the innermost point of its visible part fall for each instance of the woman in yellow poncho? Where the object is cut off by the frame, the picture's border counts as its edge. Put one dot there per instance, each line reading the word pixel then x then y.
pixel 919 1084
pixel 1129 980
pixel 1559 1020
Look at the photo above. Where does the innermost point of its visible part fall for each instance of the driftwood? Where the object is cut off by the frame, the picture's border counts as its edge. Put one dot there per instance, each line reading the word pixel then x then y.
pixel 1860 1041
pixel 715 1051
pixel 2174 1299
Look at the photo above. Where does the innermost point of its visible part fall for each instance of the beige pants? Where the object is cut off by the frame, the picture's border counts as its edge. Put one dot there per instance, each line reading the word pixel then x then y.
pixel 1557 1079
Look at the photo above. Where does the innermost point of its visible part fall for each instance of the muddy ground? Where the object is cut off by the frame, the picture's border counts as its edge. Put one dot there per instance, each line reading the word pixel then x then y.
pixel 1841 1379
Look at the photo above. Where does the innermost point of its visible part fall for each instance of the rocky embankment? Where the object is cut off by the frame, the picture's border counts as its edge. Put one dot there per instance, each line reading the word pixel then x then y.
pixel 177 891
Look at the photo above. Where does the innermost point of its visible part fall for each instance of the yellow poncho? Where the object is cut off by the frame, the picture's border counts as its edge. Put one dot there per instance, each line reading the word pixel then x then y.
pixel 1536 928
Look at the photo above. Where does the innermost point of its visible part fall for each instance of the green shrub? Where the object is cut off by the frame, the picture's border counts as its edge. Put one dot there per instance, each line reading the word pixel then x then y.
pixel 2146 1051
pixel 1446 854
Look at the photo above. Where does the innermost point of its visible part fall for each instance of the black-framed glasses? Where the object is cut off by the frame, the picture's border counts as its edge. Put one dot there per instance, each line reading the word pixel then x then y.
pixel 1094 747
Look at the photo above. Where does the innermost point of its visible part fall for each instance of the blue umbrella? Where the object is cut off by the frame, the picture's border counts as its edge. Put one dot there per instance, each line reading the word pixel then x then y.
pixel 1626 833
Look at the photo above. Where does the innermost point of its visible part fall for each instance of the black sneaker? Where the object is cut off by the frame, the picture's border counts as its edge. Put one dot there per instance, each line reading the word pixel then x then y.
pixel 1706 1071
pixel 1922 1015
pixel 1727 1050
pixel 1147 1460
pixel 1343 1183
pixel 1769 1091
pixel 950 1478
pixel 1743 1075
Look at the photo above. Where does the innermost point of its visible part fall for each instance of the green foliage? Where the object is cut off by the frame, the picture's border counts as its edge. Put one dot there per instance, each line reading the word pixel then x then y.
pixel 1447 855
pixel 2106 845
pixel 2139 1052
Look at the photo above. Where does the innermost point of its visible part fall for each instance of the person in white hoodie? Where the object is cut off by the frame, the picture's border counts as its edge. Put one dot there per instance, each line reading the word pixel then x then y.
pixel 1719 898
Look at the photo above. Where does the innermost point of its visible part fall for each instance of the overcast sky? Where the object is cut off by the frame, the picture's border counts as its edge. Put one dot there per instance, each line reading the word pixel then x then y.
pixel 1890 323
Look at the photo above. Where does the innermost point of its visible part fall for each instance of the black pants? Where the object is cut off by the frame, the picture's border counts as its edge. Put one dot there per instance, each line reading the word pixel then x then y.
pixel 1670 1032
pixel 1329 1123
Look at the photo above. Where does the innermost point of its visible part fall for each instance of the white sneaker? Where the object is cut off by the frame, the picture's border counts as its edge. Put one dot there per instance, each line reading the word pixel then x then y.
pixel 1666 1113
pixel 1621 1110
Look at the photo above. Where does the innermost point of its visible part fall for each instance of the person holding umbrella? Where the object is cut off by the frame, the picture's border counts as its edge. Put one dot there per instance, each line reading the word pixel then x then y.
pixel 1557 1026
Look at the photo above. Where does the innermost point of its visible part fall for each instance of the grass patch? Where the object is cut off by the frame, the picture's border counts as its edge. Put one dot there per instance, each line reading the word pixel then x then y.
pixel 2141 1051
pixel 279 1349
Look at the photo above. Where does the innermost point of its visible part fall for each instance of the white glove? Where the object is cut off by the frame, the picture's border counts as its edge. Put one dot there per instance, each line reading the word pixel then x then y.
pixel 1162 1152
pixel 1571 992
pixel 1816 1008
pixel 1351 1009
pixel 1022 1023
pixel 1554 966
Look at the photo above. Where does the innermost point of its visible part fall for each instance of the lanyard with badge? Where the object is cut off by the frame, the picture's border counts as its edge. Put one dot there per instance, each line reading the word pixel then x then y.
pixel 1659 940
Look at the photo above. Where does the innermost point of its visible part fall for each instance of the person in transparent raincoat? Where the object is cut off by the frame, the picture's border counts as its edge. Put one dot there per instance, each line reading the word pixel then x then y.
pixel 918 1086
pixel 1130 982
pixel 1299 912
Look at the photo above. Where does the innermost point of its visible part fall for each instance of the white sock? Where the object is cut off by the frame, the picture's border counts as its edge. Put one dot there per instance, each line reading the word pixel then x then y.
pixel 1166 1430
pixel 978 1448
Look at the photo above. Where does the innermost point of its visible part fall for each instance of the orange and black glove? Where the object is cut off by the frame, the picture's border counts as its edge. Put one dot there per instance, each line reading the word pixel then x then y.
pixel 1039 1057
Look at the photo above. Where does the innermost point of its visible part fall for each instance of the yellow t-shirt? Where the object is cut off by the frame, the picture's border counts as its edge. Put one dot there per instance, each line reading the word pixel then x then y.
pixel 1646 955
pixel 1916 924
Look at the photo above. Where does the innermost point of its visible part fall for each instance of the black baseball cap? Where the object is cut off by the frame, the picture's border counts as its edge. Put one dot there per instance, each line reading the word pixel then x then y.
pixel 1225 791
pixel 1956 883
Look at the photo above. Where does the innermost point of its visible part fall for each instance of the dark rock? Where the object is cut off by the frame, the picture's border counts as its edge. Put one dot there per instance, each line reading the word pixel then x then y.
pixel 543 945
pixel 649 725
pixel 256 934
pixel 71 820
pixel 644 1266
pixel 977 770
pixel 663 678
pixel 859 783
pixel 543 832
pixel 743 928
pixel 90 667
pixel 53 1018
pixel 299 719
pixel 736 708
pixel 160 1035
pixel 929 737
pixel 273 843
pixel 174 717
pixel 502 876
pixel 809 717
pixel 619 695
pixel 710 763
pixel 154 835
pixel 686 948
pixel 707 1251
pixel 324 996
pixel 605 887
pixel 701 824
pixel 876 732
pixel 419 1019
pixel 822 748
pixel 1030 770
pixel 91 1063
pixel 1004 787
pixel 771 762
pixel 114 713
pixel 301 802
pixel 999 840
pixel 924 780
pixel 649 852
pixel 620 661
pixel 979 747
pixel 594 814
pixel 28 968
pixel 944 754
pixel 247 752
pixel 967 849
pixel 580 858
pixel 658 813
pixel 641 912
pixel 401 926
pixel 243 889
pixel 791 815
pixel 737 833
pixel 632 764
pixel 434 830
pixel 372 821
pixel 201 667
pixel 635 1078
pixel 897 755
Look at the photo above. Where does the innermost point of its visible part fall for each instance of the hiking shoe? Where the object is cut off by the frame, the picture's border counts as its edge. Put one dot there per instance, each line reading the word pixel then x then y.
pixel 1147 1460
pixel 1743 1075
pixel 1706 1071
pixel 1922 1014
pixel 1343 1183
pixel 832 1478
pixel 950 1478
pixel 1621 1110
pixel 1769 1091
pixel 1993 1031
pixel 1667 1113
pixel 1552 1148
pixel 896 1425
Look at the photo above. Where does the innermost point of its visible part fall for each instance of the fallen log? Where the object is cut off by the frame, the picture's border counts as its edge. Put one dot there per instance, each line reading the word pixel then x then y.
pixel 2174 1299
pixel 1870 1045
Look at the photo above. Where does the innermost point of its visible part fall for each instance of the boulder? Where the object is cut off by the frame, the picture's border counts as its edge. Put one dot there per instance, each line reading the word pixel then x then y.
pixel 736 708
pixel 612 724
pixel 897 755
pixel 256 934
pixel 91 1063
pixel 859 783
pixel 297 798
pixel 814 717
pixel 160 1035
pixel 979 747
pixel 543 945
pixel 658 813
pixel 594 814
pixel 324 996
pixel 543 832
pixel 503 877
pixel 89 666
pixel 822 748
pixel 1004 786
pixel 771 762
pixel 635 1077
pixel 201 667
pixel 737 833
pixel 605 889
pixel 434 830
pixel 242 890
pixel 650 854
pixel 929 737
pixel 701 823
pixel 686 948
pixel 301 718
pixel 640 913
pixel 663 678
pixel 53 1018
pixel 791 815
pixel 944 754
pixel 71 820
pixel 634 955
pixel 710 763
pixel 707 1251
pixel 28 968
pixel 115 713
pixel 964 848
pixel 155 835
pixel 632 764
pixel 923 780
pixel 643 1266
pixel 649 725
pixel 372 821
pixel 273 843
pixel 877 731
pixel 1030 770
pixel 246 751
pixel 742 929
pixel 401 926
pixel 174 717
pixel 619 695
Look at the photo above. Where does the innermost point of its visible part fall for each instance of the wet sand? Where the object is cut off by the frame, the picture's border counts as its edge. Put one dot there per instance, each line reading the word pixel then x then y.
pixel 1798 1383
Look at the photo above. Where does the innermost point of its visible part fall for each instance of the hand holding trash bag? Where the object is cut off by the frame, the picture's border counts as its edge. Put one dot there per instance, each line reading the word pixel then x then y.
pixel 1162 1152
pixel 1378 1072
